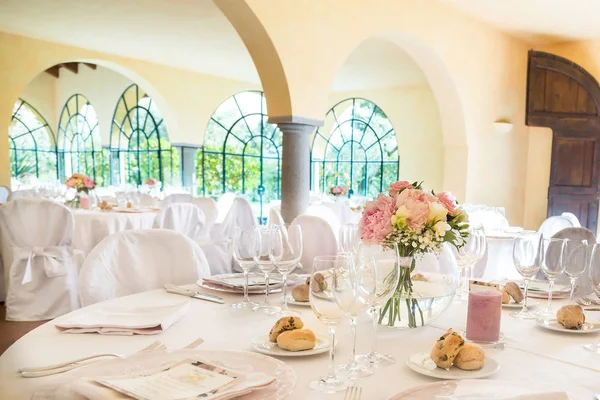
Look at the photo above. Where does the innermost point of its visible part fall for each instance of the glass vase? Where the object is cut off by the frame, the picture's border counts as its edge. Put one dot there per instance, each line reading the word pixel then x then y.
pixel 426 289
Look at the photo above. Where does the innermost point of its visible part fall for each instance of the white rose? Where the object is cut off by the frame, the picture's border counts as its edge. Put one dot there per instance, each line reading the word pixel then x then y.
pixel 441 227
pixel 403 212
pixel 436 212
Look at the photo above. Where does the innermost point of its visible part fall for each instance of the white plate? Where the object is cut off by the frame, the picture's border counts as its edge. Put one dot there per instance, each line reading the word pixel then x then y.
pixel 225 289
pixel 553 325
pixel 262 344
pixel 236 281
pixel 530 304
pixel 479 389
pixel 423 364
pixel 291 300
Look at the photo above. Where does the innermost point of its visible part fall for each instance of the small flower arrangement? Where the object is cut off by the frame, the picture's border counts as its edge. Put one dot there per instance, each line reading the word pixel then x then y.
pixel 80 182
pixel 151 182
pixel 338 190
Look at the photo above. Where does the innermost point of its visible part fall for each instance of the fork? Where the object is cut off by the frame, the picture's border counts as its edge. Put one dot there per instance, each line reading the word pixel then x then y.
pixel 353 393
pixel 70 365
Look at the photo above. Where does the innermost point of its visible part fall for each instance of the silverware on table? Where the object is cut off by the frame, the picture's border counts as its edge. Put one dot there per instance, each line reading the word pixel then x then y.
pixel 353 393
pixel 194 294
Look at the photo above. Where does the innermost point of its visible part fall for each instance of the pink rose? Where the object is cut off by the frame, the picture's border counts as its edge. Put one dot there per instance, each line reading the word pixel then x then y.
pixel 376 222
pixel 449 202
pixel 417 202
pixel 396 187
pixel 88 182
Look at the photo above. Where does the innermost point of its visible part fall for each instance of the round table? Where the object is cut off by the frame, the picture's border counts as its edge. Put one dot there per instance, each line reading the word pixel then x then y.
pixel 92 226
pixel 533 355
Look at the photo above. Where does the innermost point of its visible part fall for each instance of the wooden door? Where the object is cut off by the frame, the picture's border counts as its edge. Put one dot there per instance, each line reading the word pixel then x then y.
pixel 564 97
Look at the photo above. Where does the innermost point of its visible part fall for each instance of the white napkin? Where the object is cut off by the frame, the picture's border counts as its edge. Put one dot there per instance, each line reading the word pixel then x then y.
pixel 124 320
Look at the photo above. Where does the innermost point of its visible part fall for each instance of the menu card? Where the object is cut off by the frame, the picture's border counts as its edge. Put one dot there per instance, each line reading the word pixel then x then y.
pixel 183 380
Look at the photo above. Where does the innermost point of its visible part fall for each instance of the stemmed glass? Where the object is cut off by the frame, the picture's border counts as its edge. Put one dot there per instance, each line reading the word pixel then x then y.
pixel 323 304
pixel 347 296
pixel 377 279
pixel 285 252
pixel 349 239
pixel 594 274
pixel 466 258
pixel 576 260
pixel 266 239
pixel 553 266
pixel 245 247
pixel 528 257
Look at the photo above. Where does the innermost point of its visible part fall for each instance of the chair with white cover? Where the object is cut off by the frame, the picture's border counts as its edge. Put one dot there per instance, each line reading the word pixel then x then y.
pixel 224 205
pixel 4 193
pixel 326 213
pixel 210 210
pixel 576 234
pixel 40 263
pixel 573 218
pixel 147 200
pixel 275 217
pixel 177 198
pixel 19 194
pixel 136 261
pixel 553 225
pixel 318 239
pixel 184 218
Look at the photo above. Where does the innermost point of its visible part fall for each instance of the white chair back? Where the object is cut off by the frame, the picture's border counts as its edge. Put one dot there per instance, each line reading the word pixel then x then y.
pixel 184 218
pixel 177 198
pixel 326 213
pixel 224 205
pixel 573 218
pixel 551 226
pixel 147 201
pixel 4 193
pixel 210 210
pixel 275 217
pixel 40 263
pixel 19 194
pixel 318 239
pixel 135 261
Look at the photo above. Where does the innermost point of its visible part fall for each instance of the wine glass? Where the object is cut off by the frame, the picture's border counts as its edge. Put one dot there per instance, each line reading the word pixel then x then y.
pixel 285 252
pixel 594 274
pixel 348 298
pixel 527 256
pixel 325 307
pixel 349 239
pixel 245 248
pixel 576 260
pixel 553 266
pixel 377 279
pixel 466 257
pixel 266 239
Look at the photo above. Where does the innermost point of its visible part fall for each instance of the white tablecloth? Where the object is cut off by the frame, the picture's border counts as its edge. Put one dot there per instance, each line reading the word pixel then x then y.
pixel 533 355
pixel 93 226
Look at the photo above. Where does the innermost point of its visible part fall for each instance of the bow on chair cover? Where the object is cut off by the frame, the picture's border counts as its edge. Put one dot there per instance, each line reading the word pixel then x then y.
pixel 54 259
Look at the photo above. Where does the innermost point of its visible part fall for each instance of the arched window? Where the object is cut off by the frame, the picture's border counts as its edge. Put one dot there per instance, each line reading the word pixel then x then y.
pixel 139 141
pixel 242 151
pixel 357 147
pixel 79 142
pixel 31 143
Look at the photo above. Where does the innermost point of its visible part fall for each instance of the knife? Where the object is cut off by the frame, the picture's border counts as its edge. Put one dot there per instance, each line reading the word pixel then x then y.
pixel 191 293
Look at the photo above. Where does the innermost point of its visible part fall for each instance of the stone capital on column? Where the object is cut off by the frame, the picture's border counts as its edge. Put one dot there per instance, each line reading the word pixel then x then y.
pixel 295 170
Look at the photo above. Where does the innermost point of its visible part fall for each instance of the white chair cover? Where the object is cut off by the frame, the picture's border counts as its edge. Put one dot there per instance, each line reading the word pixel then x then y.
pixel 583 283
pixel 275 217
pixel 326 213
pixel 573 218
pixel 19 194
pixel 177 198
pixel 147 201
pixel 4 193
pixel 210 210
pixel 184 218
pixel 318 239
pixel 224 205
pixel 41 264
pixel 551 226
pixel 136 261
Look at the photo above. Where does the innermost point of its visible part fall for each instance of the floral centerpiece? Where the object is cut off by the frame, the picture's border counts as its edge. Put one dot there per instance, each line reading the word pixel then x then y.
pixel 418 222
pixel 151 182
pixel 83 184
pixel 338 190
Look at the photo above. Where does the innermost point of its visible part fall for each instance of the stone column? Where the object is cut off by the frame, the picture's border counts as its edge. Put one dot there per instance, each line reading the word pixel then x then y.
pixel 188 166
pixel 295 174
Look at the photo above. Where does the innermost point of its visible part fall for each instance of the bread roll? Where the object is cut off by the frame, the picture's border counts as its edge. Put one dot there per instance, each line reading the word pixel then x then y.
pixel 571 317
pixel 505 297
pixel 300 293
pixel 284 324
pixel 297 340
pixel 470 357
pixel 446 349
pixel 514 291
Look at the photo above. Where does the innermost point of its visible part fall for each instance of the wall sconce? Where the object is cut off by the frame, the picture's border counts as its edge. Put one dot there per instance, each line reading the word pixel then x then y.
pixel 503 127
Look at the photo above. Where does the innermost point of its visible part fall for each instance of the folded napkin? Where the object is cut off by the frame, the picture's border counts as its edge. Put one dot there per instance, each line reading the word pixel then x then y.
pixel 122 320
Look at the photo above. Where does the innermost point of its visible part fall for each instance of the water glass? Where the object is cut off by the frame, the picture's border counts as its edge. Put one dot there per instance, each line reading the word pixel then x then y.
pixel 552 267
pixel 349 239
pixel 285 252
pixel 245 248
pixel 594 274
pixel 528 255
pixel 327 310
pixel 467 256
pixel 266 239
pixel 576 260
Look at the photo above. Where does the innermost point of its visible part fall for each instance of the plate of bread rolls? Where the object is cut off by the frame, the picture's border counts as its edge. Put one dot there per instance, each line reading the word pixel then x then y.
pixel 289 338
pixel 299 296
pixel 453 358
pixel 512 296
pixel 570 319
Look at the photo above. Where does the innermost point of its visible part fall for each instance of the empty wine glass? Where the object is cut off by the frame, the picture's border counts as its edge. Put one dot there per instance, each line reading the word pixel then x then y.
pixel 576 260
pixel 266 239
pixel 553 266
pixel 528 257
pixel 323 304
pixel 349 239
pixel 594 274
pixel 245 248
pixel 466 258
pixel 285 253
pixel 348 297
pixel 377 279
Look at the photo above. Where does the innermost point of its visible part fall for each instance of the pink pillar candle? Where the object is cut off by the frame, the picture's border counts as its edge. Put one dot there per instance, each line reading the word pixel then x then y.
pixel 84 202
pixel 483 316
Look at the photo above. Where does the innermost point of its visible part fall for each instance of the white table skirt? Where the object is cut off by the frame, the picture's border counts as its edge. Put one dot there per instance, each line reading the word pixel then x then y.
pixel 533 355
pixel 91 227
